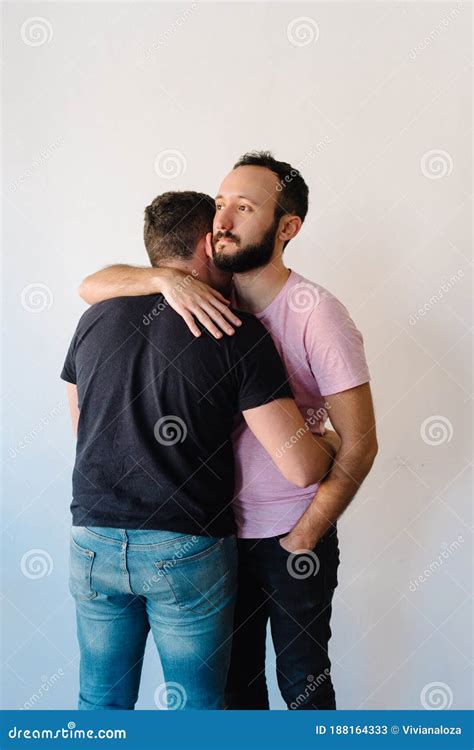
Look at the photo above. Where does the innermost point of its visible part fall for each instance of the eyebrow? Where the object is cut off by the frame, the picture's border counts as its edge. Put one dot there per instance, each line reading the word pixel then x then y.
pixel 242 197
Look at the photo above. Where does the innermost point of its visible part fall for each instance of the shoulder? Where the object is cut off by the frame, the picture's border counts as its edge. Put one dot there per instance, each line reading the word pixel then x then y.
pixel 250 323
pixel 118 305
pixel 317 303
pixel 326 320
pixel 249 335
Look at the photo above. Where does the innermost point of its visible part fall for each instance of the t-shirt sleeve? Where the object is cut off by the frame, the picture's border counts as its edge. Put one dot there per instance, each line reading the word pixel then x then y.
pixel 68 373
pixel 258 370
pixel 335 348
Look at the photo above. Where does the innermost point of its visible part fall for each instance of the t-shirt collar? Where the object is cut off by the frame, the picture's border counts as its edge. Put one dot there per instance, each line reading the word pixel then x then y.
pixel 274 301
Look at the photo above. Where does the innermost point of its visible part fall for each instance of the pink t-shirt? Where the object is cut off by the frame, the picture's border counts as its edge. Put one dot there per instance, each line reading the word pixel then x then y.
pixel 323 353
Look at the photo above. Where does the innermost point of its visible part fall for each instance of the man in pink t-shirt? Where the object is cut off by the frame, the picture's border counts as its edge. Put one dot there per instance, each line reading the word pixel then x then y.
pixel 288 545
pixel 323 354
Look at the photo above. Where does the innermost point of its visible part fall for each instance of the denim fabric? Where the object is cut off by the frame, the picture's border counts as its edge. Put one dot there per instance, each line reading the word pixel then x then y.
pixel 294 593
pixel 182 587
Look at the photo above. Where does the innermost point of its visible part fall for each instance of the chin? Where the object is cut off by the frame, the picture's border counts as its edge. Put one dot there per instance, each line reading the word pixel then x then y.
pixel 231 247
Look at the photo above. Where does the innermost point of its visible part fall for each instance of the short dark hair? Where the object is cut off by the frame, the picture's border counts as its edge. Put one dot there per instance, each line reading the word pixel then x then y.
pixel 293 190
pixel 174 224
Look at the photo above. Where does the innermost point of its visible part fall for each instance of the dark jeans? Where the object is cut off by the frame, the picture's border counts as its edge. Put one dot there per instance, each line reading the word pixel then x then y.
pixel 295 593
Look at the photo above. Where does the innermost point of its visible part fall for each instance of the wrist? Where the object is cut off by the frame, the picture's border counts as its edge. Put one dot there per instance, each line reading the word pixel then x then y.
pixel 300 541
pixel 163 280
pixel 158 280
pixel 167 281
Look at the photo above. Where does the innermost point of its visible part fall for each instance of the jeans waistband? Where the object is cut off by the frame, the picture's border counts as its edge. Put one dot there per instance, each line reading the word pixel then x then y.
pixel 136 536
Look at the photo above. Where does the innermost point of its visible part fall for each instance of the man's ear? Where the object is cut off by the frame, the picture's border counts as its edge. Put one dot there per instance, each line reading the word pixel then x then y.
pixel 290 226
pixel 209 245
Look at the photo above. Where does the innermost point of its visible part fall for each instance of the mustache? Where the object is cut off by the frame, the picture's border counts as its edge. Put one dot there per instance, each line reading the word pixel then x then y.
pixel 225 235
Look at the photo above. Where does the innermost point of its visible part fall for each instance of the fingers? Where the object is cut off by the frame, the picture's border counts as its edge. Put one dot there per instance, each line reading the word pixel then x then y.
pixel 214 316
pixel 204 304
pixel 189 315
pixel 219 296
pixel 190 322
pixel 221 309
pixel 207 322
pixel 210 318
pixel 217 318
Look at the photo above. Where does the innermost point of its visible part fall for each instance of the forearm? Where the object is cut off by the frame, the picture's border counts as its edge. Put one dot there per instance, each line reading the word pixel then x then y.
pixel 118 281
pixel 333 496
pixel 320 457
pixel 191 298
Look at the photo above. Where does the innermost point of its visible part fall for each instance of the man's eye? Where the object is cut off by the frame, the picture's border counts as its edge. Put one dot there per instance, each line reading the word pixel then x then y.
pixel 218 206
pixel 243 208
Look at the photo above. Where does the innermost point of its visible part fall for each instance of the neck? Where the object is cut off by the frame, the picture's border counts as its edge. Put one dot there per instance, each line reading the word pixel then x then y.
pixel 190 267
pixel 255 289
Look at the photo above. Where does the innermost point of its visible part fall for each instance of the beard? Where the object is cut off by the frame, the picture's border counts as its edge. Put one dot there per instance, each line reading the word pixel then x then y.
pixel 245 258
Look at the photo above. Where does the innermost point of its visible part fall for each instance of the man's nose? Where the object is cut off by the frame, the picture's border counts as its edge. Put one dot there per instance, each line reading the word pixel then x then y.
pixel 224 221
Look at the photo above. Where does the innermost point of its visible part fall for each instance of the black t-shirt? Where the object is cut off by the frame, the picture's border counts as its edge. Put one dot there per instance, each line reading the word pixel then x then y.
pixel 157 408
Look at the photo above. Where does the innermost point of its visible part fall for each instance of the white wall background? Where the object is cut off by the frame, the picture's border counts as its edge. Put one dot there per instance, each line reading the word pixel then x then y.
pixel 372 102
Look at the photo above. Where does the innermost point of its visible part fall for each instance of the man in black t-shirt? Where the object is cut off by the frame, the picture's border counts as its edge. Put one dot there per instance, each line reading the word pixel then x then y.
pixel 152 542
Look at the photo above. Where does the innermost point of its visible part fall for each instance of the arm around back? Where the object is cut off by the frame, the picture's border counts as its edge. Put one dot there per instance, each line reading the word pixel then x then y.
pixel 302 458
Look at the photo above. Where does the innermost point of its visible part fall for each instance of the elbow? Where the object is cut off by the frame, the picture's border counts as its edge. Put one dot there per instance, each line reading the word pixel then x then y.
pixel 305 478
pixel 305 482
pixel 301 481
pixel 311 472
pixel 373 450
pixel 311 479
pixel 84 291
pixel 370 455
pixel 295 474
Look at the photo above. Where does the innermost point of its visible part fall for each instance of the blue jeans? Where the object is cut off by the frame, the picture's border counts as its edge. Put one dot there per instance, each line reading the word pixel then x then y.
pixel 182 587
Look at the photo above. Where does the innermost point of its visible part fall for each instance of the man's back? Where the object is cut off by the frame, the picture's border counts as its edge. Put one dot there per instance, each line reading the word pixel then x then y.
pixel 157 406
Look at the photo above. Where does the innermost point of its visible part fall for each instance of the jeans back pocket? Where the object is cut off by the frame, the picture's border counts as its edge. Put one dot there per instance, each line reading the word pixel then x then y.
pixel 202 582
